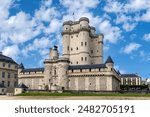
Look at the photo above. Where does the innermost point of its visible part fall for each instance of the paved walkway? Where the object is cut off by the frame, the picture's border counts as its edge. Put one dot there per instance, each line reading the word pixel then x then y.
pixel 72 98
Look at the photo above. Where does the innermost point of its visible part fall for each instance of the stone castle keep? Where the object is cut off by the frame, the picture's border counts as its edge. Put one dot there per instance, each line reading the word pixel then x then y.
pixel 81 67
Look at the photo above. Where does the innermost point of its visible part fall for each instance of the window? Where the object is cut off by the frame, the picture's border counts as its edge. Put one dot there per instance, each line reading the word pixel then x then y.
pixel 90 70
pixel 68 48
pixel 72 70
pixel 8 75
pixel 90 83
pixel 3 64
pixel 71 49
pixel 77 62
pixel 76 48
pixel 15 84
pixel 2 90
pixel 81 43
pixel 66 28
pixel 71 36
pixel 8 83
pixel 3 83
pixel 80 70
pixel 85 58
pixel 3 74
pixel 85 43
pixel 91 51
pixel 71 62
pixel 16 66
pixel 9 65
pixel 76 35
pixel 81 58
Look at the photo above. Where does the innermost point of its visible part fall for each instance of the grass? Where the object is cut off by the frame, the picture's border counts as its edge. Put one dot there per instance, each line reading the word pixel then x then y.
pixel 81 94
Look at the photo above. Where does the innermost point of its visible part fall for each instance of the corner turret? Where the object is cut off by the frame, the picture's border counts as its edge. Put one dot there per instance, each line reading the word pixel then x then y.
pixel 109 63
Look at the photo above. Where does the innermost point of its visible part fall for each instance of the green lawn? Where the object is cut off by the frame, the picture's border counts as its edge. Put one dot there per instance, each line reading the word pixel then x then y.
pixel 81 94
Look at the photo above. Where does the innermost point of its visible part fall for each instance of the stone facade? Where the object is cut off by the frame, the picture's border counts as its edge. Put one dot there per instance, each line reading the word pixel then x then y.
pixel 80 43
pixel 81 66
pixel 130 79
pixel 8 74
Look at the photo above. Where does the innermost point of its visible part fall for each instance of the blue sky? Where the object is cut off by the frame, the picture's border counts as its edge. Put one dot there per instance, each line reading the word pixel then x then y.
pixel 29 28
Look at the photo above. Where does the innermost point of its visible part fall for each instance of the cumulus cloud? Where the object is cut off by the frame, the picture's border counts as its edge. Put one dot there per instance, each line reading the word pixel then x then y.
pixel 128 26
pixel 12 51
pixel 111 33
pixel 113 6
pixel 146 17
pixel 128 49
pixel 4 8
pixel 147 37
pixel 129 13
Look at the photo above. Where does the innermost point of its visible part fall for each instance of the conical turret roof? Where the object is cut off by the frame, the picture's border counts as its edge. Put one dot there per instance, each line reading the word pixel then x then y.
pixel 109 60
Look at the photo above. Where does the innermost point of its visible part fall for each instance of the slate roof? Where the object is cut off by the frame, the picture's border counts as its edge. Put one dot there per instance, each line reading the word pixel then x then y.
pixel 6 59
pixel 21 66
pixel 21 86
pixel 129 75
pixel 33 70
pixel 93 66
pixel 109 60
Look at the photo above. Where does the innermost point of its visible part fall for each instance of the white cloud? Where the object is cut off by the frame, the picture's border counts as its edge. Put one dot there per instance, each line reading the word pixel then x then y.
pixel 79 5
pixel 54 26
pixel 130 48
pixel 11 51
pixel 111 33
pixel 136 5
pixel 113 6
pixel 41 45
pixel 147 37
pixel 146 17
pixel 4 8
pixel 129 26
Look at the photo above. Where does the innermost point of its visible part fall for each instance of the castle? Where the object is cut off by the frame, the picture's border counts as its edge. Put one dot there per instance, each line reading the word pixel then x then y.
pixel 81 66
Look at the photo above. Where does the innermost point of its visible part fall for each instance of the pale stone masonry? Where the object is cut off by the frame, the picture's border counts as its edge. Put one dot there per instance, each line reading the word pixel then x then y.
pixel 130 79
pixel 81 45
pixel 8 74
pixel 81 66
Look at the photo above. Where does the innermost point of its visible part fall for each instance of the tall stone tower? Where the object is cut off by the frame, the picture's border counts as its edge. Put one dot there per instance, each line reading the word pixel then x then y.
pixel 80 43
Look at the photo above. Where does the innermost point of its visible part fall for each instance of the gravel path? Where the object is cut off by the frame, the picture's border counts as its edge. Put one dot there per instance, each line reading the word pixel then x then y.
pixel 72 98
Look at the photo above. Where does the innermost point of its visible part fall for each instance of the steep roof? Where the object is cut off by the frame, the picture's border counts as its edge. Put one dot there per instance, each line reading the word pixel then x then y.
pixel 21 66
pixel 87 66
pixel 109 60
pixel 33 70
pixel 129 75
pixel 6 59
